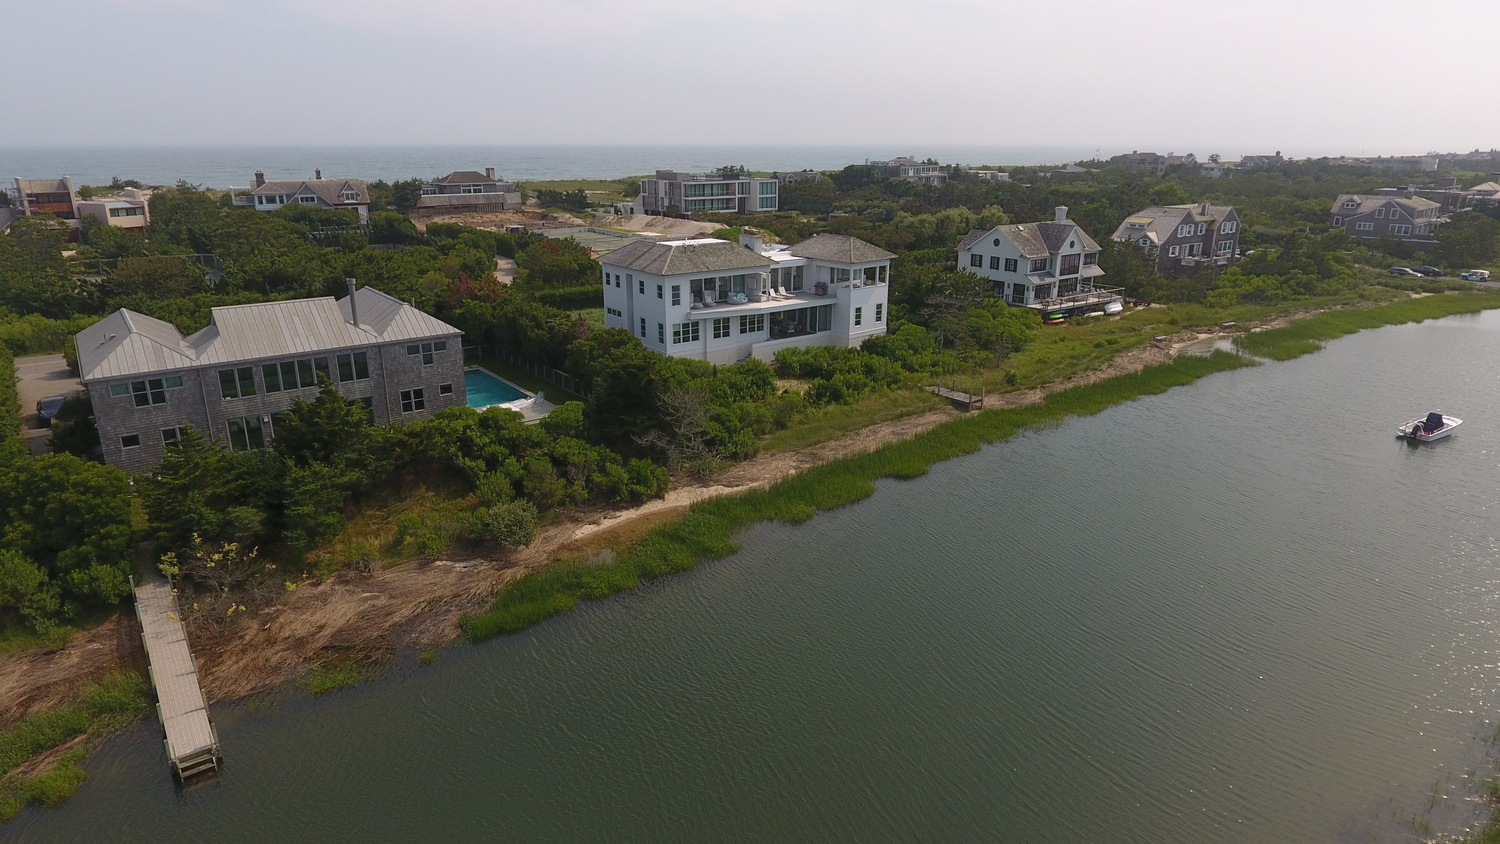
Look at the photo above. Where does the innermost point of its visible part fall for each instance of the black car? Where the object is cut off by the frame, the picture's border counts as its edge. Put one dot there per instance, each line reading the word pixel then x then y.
pixel 1430 272
pixel 47 408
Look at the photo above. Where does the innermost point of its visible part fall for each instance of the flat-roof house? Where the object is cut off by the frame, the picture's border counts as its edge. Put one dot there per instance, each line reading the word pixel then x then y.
pixel 722 302
pixel 728 191
pixel 344 194
pixel 468 191
pixel 131 210
pixel 230 380
pixel 1183 236
pixel 1048 265
pixel 912 170
pixel 1411 218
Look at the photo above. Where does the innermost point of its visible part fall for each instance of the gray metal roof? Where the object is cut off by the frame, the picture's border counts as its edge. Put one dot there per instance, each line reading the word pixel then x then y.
pixel 840 249
pixel 680 257
pixel 127 343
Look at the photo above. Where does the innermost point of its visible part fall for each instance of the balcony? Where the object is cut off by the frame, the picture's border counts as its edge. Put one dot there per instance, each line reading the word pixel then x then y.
pixel 1080 299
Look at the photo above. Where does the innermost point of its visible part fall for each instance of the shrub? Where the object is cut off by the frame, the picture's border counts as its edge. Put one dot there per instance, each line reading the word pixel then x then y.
pixel 512 523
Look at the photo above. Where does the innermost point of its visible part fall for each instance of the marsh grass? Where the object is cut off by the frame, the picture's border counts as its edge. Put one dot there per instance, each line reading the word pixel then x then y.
pixel 324 679
pixel 1309 335
pixel 706 530
pixel 105 707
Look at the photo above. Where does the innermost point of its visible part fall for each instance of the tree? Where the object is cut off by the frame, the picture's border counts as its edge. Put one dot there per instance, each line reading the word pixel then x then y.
pixel 73 429
pixel 155 277
pixel 1469 240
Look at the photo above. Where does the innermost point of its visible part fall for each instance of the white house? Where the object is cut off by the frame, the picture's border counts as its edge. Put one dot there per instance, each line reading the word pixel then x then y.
pixel 347 194
pixel 1034 264
pixel 722 302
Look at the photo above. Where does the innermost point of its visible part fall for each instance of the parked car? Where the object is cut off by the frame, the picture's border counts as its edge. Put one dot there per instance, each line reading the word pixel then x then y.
pixel 1405 272
pixel 1475 275
pixel 1430 272
pixel 47 408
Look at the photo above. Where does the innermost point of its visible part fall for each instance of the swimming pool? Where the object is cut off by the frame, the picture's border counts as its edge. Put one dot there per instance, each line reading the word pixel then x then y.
pixel 485 389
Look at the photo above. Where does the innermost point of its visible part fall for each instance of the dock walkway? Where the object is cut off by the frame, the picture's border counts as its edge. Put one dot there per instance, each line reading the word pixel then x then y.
pixel 191 743
pixel 963 401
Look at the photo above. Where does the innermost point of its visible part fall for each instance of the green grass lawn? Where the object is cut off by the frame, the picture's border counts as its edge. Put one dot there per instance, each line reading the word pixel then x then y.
pixel 612 186
pixel 836 420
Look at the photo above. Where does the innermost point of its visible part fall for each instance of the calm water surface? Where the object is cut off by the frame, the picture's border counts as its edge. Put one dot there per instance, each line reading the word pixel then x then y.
pixel 1238 612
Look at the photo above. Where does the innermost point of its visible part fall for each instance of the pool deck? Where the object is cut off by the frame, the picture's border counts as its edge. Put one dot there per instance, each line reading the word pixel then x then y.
pixel 533 408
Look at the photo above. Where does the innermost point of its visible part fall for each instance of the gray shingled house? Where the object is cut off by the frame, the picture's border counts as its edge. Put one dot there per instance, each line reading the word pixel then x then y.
pixel 230 380
pixel 1182 237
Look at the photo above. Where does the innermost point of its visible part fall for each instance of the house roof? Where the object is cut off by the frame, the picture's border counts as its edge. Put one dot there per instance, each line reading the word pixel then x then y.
pixel 971 238
pixel 1158 221
pixel 329 190
pixel 1486 189
pixel 839 249
pixel 1368 203
pixel 44 185
pixel 464 177
pixel 678 257
pixel 1034 240
pixel 128 343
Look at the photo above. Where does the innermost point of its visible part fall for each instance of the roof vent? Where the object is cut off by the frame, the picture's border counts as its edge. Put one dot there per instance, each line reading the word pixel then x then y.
pixel 353 306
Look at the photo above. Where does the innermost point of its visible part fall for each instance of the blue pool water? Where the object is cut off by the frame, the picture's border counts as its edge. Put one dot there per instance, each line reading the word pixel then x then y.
pixel 485 389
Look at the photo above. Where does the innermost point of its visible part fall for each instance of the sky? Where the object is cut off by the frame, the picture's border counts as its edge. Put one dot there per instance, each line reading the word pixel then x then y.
pixel 1307 77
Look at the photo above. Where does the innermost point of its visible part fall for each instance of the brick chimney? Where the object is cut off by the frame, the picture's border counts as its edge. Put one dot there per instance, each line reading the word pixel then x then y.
pixel 318 173
pixel 489 173
pixel 1060 215
pixel 260 178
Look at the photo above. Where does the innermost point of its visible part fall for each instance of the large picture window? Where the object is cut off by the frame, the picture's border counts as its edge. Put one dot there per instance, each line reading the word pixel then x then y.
pixel 354 367
pixel 246 433
pixel 1068 264
pixel 801 321
pixel 236 383
pixel 684 332
pixel 413 401
pixel 752 324
pixel 147 393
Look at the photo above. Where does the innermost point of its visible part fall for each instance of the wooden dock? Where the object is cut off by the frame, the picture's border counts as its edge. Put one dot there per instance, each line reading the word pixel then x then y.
pixel 191 742
pixel 963 401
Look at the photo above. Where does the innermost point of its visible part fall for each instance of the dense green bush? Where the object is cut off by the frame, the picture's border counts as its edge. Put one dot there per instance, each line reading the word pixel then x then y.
pixel 10 402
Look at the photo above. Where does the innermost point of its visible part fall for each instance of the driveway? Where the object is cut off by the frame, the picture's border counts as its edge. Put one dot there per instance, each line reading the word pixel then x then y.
pixel 37 378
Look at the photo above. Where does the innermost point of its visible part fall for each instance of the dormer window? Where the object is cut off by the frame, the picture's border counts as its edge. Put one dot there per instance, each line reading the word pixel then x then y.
pixel 1351 204
pixel 308 200
pixel 349 196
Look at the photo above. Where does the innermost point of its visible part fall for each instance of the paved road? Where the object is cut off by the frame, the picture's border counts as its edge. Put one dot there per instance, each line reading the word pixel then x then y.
pixel 37 378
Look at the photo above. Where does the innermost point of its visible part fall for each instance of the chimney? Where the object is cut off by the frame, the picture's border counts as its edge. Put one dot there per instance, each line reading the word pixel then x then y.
pixel 1061 214
pixel 318 173
pixel 752 239
pixel 489 173
pixel 1203 209
pixel 353 308
pixel 260 178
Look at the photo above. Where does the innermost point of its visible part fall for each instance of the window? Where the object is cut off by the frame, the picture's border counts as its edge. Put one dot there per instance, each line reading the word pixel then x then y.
pixel 658 291
pixel 976 260
pixel 119 391
pixel 246 433
pixel 643 328
pixel 879 311
pixel 1338 221
pixel 236 383
pixel 677 294
pixel 308 200
pixel 721 328
pixel 643 287
pixel 297 374
pixel 767 188
pixel 1090 259
pixel 1184 231
pixel 1010 265
pixel 1202 227
pixel 994 262
pixel 1233 226
pixel 271 374
pixel 1400 230
pixel 684 332
pixel 1225 246
pixel 1351 203
pixel 615 312
pixel 147 393
pixel 606 279
pixel 353 367
pixel 445 389
pixel 1038 265
pixel 1380 213
pixel 1068 264
pixel 859 316
pixel 661 334
pixel 170 436
pixel 1395 214
pixel 753 324
pixel 1364 227
pixel 767 203
pixel 413 401
pixel 1172 251
pixel 130 441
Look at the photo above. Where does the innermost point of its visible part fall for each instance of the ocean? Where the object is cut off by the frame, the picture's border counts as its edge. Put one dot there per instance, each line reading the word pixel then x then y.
pixel 225 166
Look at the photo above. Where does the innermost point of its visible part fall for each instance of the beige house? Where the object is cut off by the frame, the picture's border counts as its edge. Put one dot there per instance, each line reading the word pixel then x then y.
pixel 131 210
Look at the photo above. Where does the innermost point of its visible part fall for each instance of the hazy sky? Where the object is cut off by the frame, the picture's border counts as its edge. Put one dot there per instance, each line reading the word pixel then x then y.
pixel 1302 76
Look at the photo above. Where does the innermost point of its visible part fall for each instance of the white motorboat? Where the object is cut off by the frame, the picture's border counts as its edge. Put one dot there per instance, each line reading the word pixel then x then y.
pixel 1434 427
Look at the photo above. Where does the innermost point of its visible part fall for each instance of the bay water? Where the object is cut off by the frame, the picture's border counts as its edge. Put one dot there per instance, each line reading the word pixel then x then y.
pixel 1241 611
